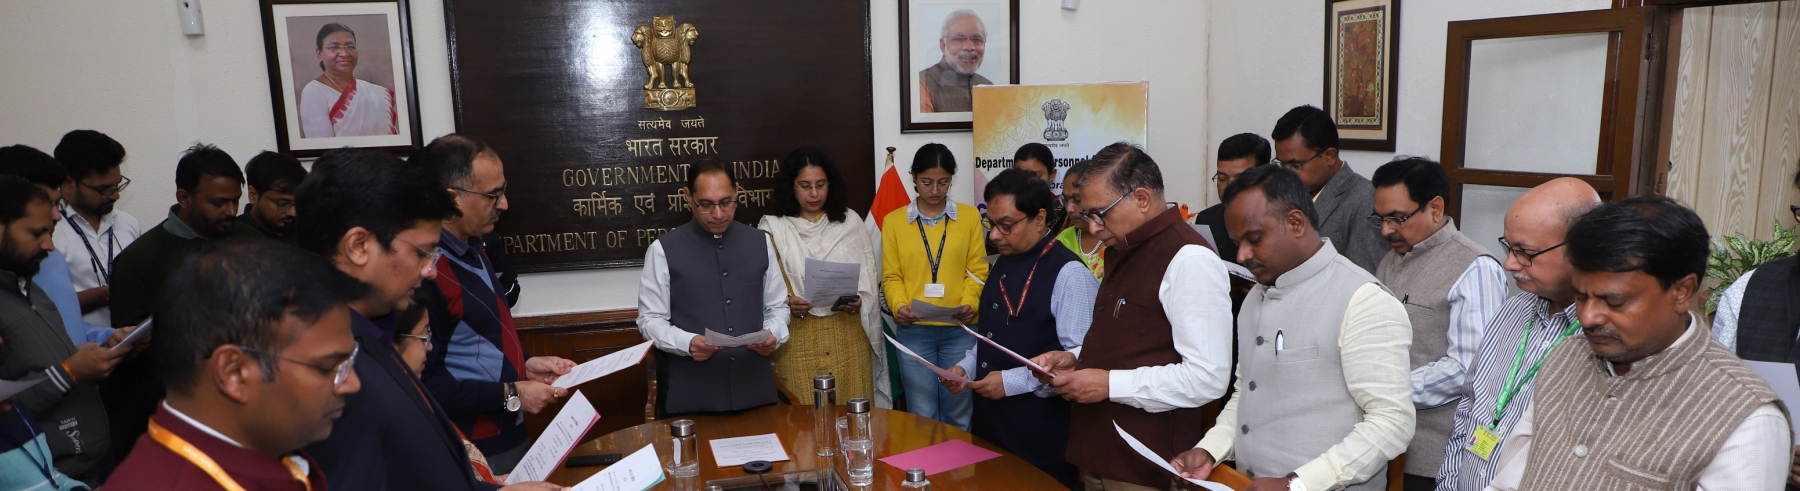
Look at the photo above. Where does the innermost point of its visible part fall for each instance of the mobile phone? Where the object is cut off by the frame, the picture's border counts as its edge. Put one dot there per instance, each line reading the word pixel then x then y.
pixel 593 460
pixel 842 301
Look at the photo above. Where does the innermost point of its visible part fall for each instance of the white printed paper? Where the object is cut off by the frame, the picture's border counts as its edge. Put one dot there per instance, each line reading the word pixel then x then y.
pixel 10 388
pixel 932 313
pixel 733 452
pixel 558 439
pixel 826 281
pixel 722 340
pixel 636 472
pixel 602 366
pixel 1239 271
pixel 1207 235
pixel 946 374
pixel 142 329
pixel 1145 451
pixel 1782 378
pixel 1022 360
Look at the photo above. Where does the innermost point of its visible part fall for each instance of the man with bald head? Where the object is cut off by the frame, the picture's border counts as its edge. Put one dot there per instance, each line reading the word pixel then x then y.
pixel 1500 378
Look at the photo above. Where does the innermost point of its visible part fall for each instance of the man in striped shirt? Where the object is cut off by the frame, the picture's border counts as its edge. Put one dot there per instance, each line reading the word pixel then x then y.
pixel 1500 377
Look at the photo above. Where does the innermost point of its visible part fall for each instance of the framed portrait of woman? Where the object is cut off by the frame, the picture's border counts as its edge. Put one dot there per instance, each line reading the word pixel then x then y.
pixel 341 74
pixel 947 47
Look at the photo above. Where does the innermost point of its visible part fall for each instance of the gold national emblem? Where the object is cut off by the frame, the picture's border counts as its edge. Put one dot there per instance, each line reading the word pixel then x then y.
pixel 665 43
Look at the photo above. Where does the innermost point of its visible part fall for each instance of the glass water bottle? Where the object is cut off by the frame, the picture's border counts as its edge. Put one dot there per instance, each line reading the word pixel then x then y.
pixel 859 444
pixel 825 415
pixel 684 456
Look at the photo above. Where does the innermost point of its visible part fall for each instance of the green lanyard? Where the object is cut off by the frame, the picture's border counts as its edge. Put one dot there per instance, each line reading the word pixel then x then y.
pixel 1513 382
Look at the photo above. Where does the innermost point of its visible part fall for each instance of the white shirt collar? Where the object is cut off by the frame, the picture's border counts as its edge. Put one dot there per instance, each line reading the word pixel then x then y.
pixel 197 424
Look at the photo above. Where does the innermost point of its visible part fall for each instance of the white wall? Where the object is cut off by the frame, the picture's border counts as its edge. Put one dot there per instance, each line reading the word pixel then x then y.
pixel 1215 69
pixel 1268 56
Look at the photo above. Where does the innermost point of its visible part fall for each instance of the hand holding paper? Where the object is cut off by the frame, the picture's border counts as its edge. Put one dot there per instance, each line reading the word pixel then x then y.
pixel 564 432
pixel 826 281
pixel 603 366
pixel 1147 454
pixel 142 329
pixel 931 313
pixel 722 340
pixel 1035 368
pixel 946 374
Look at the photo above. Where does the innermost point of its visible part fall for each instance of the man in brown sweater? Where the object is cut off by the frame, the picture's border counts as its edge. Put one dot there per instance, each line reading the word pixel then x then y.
pixel 1160 343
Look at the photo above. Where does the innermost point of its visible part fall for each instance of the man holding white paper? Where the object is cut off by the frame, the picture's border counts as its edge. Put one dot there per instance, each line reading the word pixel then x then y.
pixel 1160 343
pixel 1038 298
pixel 727 281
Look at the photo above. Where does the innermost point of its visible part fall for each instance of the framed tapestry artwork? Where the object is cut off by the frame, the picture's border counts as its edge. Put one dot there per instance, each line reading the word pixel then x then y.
pixel 946 48
pixel 341 74
pixel 1362 67
pixel 599 108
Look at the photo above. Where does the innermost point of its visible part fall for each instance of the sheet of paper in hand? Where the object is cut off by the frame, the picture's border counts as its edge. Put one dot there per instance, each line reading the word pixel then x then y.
pixel 1151 456
pixel 946 374
pixel 932 313
pixel 603 366
pixel 722 340
pixel 1022 360
pixel 826 281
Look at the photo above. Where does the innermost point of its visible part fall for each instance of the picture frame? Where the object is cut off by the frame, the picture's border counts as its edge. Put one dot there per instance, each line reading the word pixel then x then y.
pixel 366 98
pixel 927 29
pixel 1362 70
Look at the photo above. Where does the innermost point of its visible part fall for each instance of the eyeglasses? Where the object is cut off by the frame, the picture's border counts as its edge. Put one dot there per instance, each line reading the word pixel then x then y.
pixel 423 338
pixel 339 48
pixel 1222 178
pixel 496 195
pixel 339 373
pixel 1099 217
pixel 1525 256
pixel 1007 228
pixel 1297 164
pixel 1378 220
pixel 708 206
pixel 431 256
pixel 108 190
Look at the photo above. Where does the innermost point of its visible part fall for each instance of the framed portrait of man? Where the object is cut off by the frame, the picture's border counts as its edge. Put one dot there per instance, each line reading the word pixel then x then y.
pixel 947 47
pixel 1362 69
pixel 340 74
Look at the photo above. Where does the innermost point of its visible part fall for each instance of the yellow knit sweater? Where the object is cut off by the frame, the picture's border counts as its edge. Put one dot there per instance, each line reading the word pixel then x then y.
pixel 906 267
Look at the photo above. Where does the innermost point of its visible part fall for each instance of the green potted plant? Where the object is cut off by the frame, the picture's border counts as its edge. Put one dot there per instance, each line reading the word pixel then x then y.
pixel 1737 254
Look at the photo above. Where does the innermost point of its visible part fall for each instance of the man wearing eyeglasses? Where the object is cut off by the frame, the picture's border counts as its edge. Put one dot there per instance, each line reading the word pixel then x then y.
pixel 726 285
pixel 257 352
pixel 272 178
pixel 946 86
pixel 1449 284
pixel 1498 386
pixel 92 232
pixel 1159 346
pixel 1238 153
pixel 379 220
pixel 482 374
pixel 1306 142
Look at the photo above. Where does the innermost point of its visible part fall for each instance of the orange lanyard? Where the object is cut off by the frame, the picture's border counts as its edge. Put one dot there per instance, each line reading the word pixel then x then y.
pixel 199 459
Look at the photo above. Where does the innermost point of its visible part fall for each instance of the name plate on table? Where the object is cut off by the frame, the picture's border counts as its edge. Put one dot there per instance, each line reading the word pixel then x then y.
pixel 599 107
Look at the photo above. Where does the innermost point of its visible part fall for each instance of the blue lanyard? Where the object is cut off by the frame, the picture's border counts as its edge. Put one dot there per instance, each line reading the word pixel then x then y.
pixel 103 272
pixel 940 252
pixel 31 436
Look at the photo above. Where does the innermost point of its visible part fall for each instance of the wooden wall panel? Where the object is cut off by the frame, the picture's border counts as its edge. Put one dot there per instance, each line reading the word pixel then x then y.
pixel 1737 95
pixel 1689 114
pixel 1781 145
pixel 621 398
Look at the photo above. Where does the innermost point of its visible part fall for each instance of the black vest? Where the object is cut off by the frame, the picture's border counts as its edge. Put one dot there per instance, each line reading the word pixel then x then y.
pixel 717 283
pixel 1034 428
pixel 1769 319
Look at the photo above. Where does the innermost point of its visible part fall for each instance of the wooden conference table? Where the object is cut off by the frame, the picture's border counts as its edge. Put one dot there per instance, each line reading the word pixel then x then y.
pixel 895 432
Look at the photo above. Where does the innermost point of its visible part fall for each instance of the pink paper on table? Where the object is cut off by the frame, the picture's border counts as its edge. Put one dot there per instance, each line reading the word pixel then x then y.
pixel 941 457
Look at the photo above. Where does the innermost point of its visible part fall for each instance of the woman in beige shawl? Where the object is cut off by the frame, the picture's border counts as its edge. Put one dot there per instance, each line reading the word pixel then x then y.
pixel 843 339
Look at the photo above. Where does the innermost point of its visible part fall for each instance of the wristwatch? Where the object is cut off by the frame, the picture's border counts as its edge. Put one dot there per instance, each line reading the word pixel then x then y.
pixel 512 398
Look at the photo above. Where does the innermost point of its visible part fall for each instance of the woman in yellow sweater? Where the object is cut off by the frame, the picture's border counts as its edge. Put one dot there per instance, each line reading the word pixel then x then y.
pixel 931 253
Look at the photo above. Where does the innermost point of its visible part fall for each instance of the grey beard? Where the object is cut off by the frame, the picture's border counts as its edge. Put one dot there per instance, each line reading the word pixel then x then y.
pixel 950 61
